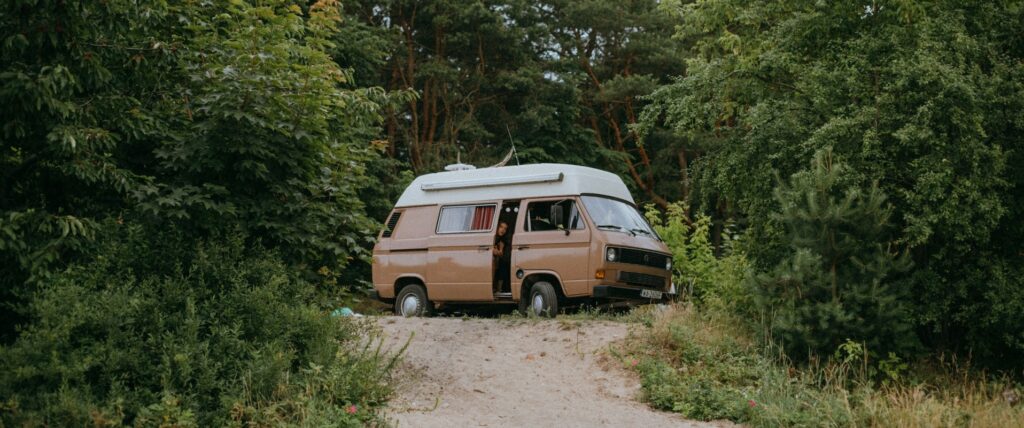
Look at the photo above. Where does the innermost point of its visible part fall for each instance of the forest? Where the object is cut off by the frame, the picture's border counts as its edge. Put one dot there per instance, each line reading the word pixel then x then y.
pixel 187 189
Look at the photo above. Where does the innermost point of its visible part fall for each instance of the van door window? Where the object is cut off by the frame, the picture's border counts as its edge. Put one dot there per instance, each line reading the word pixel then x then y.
pixel 466 218
pixel 553 215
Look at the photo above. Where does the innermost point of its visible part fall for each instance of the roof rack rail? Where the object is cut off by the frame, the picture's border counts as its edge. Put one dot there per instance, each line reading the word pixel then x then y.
pixel 492 181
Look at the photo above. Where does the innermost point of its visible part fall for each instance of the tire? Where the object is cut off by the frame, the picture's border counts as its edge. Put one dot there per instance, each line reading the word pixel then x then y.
pixel 542 300
pixel 412 302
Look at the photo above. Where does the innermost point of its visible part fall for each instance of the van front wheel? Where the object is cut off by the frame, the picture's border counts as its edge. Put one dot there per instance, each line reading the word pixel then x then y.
pixel 543 301
pixel 412 302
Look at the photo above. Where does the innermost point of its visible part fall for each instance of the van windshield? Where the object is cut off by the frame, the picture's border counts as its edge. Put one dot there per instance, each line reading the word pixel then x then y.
pixel 610 214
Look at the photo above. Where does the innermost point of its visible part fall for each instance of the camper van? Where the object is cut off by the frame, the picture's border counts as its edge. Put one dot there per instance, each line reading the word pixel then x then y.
pixel 542 236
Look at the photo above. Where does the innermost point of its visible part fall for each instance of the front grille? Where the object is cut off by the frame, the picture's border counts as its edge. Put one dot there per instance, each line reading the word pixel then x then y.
pixel 641 279
pixel 641 257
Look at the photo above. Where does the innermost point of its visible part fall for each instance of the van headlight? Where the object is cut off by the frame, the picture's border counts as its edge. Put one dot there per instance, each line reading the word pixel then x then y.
pixel 668 263
pixel 612 254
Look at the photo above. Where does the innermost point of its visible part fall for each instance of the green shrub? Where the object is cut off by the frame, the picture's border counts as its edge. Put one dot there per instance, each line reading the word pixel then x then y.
pixel 706 368
pixel 697 273
pixel 158 331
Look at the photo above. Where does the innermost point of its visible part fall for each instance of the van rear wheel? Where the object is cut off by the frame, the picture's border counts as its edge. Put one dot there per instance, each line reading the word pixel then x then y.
pixel 412 302
pixel 541 300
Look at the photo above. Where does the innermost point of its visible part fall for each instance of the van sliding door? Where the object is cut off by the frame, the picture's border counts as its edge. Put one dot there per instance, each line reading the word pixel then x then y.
pixel 459 259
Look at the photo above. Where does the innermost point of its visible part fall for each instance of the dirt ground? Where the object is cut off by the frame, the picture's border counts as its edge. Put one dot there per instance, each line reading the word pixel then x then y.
pixel 476 372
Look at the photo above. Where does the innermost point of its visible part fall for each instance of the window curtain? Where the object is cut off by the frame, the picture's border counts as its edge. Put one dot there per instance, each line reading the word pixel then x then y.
pixel 482 217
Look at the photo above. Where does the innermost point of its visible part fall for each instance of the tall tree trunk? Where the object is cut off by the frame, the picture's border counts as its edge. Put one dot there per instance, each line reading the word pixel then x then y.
pixel 684 174
pixel 409 79
pixel 647 185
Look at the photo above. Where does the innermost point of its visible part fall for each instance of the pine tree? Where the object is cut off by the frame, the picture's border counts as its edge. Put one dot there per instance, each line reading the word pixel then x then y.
pixel 839 281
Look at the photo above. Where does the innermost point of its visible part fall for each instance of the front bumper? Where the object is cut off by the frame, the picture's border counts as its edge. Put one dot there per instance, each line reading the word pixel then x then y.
pixel 628 293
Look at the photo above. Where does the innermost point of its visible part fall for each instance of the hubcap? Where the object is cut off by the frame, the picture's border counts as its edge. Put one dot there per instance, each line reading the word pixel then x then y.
pixel 538 304
pixel 409 305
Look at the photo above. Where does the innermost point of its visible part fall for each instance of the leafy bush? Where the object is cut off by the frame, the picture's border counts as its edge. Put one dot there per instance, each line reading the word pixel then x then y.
pixel 160 331
pixel 709 280
pixel 706 368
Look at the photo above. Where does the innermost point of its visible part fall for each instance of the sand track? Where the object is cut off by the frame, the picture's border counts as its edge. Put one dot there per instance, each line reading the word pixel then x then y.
pixel 505 373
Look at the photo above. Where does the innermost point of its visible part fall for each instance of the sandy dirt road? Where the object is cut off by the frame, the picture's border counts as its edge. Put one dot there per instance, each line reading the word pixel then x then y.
pixel 506 373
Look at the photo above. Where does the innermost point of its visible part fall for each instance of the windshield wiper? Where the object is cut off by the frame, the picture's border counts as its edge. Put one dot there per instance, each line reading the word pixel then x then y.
pixel 637 229
pixel 612 226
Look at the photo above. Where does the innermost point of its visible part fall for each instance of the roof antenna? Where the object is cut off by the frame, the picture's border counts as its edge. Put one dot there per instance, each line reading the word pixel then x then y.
pixel 514 152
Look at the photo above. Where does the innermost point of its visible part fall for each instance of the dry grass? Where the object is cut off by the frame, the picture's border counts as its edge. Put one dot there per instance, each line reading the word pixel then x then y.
pixel 967 402
pixel 707 367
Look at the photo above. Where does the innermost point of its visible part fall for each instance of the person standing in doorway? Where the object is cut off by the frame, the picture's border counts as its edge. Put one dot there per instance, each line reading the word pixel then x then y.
pixel 500 257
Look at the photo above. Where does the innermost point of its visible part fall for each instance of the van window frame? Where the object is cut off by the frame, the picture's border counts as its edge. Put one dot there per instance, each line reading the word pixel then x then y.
pixel 576 202
pixel 440 212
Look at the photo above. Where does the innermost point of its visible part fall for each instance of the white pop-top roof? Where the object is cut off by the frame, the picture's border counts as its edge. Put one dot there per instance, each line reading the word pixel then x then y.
pixel 511 182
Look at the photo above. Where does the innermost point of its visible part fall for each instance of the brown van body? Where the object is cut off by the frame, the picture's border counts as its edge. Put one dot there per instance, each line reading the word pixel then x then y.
pixel 457 267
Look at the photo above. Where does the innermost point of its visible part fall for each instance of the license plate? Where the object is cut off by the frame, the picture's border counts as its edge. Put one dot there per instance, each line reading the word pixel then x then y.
pixel 650 294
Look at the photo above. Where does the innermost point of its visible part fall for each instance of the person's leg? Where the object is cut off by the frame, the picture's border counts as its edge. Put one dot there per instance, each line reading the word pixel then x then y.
pixel 503 277
pixel 495 270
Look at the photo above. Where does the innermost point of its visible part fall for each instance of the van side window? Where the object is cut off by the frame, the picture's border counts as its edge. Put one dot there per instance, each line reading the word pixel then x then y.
pixel 466 218
pixel 553 215
pixel 389 227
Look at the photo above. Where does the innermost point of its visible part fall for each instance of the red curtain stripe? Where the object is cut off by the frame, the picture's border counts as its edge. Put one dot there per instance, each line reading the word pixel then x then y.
pixel 482 218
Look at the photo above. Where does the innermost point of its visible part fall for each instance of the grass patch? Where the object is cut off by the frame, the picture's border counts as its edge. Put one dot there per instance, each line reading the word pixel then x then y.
pixel 643 314
pixel 702 366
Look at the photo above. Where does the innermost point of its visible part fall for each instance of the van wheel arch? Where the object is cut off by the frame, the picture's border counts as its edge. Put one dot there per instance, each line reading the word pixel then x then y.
pixel 405 281
pixel 408 281
pixel 524 290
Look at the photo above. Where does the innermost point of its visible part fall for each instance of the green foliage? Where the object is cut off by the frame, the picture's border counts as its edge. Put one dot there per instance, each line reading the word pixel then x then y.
pixel 236 116
pixel 160 331
pixel 476 71
pixel 695 365
pixel 269 138
pixel 693 258
pixel 699 395
pixel 840 281
pixel 715 282
pixel 64 113
pixel 204 116
pixel 563 79
pixel 615 54
pixel 922 98
pixel 199 120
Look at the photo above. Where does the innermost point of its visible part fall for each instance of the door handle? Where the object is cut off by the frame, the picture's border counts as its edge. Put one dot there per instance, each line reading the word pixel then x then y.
pixel 523 247
pixel 483 248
